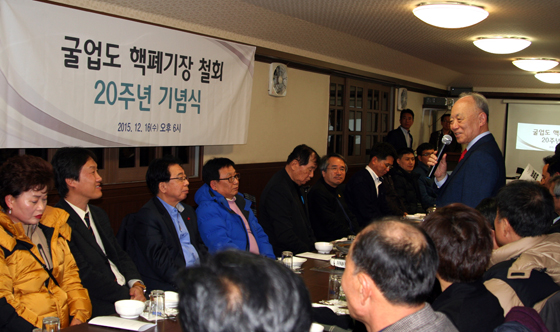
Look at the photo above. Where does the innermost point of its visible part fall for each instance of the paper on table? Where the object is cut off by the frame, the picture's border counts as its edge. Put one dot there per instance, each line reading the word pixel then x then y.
pixel 121 323
pixel 312 255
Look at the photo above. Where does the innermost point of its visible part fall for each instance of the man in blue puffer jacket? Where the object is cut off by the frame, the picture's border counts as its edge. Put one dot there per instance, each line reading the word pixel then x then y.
pixel 225 218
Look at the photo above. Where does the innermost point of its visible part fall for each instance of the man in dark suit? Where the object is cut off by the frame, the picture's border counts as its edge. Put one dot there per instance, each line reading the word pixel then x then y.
pixel 283 206
pixel 331 218
pixel 401 138
pixel 106 270
pixel 480 172
pixel 365 192
pixel 436 136
pixel 163 236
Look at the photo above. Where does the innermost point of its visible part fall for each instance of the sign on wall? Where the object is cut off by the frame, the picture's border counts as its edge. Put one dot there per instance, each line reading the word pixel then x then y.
pixel 74 78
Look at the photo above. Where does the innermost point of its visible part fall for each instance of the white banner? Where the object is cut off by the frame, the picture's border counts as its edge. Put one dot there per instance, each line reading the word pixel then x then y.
pixel 537 137
pixel 74 78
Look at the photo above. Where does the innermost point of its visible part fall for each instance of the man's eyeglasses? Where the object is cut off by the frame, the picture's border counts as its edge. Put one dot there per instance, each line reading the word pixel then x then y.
pixel 231 178
pixel 427 154
pixel 389 166
pixel 180 178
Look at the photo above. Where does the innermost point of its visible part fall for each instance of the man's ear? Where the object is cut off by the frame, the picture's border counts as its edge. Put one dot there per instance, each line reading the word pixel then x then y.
pixel 70 183
pixel 162 186
pixel 482 118
pixel 294 164
pixel 213 184
pixel 365 287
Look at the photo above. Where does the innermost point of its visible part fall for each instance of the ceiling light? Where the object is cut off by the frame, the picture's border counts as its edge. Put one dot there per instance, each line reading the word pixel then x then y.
pixel 450 15
pixel 502 45
pixel 535 64
pixel 552 77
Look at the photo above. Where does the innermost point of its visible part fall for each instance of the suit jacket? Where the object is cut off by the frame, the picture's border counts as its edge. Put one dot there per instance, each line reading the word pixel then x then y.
pixel 470 307
pixel 283 216
pixel 154 245
pixel 480 174
pixel 331 218
pixel 424 320
pixel 396 138
pixel 428 191
pixel 363 200
pixel 95 271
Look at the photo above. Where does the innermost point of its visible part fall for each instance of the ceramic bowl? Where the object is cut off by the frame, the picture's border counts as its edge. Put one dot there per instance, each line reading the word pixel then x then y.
pixel 129 308
pixel 171 299
pixel 323 247
pixel 298 261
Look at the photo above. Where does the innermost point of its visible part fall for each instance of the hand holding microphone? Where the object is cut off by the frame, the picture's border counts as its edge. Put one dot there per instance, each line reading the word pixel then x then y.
pixel 446 140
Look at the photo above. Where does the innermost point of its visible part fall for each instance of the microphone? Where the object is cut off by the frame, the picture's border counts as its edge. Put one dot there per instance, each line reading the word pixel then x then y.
pixel 446 140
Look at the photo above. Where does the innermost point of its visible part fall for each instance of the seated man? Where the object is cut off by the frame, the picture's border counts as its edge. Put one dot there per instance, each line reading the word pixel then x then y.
pixel 365 191
pixel 240 291
pixel 106 270
pixel 390 271
pixel 525 269
pixel 163 237
pixel 428 192
pixel 283 206
pixel 330 217
pixel 225 218
pixel 406 182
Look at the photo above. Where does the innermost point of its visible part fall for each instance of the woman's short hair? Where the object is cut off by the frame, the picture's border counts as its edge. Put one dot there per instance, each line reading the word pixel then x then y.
pixel 22 173
pixel 463 240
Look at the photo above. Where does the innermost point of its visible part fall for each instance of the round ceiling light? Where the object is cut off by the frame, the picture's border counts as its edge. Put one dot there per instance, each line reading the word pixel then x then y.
pixel 450 15
pixel 551 77
pixel 535 64
pixel 502 45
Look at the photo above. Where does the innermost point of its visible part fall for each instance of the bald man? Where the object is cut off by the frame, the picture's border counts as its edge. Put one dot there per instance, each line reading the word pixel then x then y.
pixel 480 172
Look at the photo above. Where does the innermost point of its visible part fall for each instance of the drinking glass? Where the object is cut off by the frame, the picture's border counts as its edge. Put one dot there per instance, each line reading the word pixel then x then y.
pixel 51 324
pixel 157 304
pixel 334 287
pixel 288 259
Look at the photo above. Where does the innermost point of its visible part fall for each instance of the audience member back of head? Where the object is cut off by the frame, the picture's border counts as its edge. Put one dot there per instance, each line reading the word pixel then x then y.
pixel 237 291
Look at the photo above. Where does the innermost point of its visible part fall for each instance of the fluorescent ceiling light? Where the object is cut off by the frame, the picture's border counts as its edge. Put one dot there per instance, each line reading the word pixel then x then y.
pixel 535 64
pixel 552 77
pixel 450 15
pixel 502 45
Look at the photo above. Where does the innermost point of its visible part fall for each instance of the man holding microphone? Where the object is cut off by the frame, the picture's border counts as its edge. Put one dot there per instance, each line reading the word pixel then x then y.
pixel 480 172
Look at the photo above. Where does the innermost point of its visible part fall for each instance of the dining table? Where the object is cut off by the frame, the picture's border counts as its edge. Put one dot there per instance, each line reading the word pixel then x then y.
pixel 315 274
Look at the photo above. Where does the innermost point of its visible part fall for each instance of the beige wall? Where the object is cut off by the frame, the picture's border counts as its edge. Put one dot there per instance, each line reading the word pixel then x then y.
pixel 278 124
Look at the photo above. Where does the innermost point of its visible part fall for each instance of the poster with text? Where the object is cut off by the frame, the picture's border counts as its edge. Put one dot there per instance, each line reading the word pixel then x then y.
pixel 74 78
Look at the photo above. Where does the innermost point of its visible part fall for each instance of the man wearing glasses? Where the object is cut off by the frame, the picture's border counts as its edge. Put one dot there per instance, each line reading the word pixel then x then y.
pixel 225 218
pixel 330 216
pixel 365 192
pixel 163 237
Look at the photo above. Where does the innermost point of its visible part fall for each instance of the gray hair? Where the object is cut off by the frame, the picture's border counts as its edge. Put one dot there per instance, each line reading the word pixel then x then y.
pixel 324 163
pixel 480 101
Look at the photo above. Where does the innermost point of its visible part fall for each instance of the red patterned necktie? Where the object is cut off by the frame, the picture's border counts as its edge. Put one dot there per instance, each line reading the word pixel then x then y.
pixel 463 154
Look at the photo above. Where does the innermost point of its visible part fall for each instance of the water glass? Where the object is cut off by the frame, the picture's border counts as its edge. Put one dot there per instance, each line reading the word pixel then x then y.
pixel 334 287
pixel 288 259
pixel 157 304
pixel 51 324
